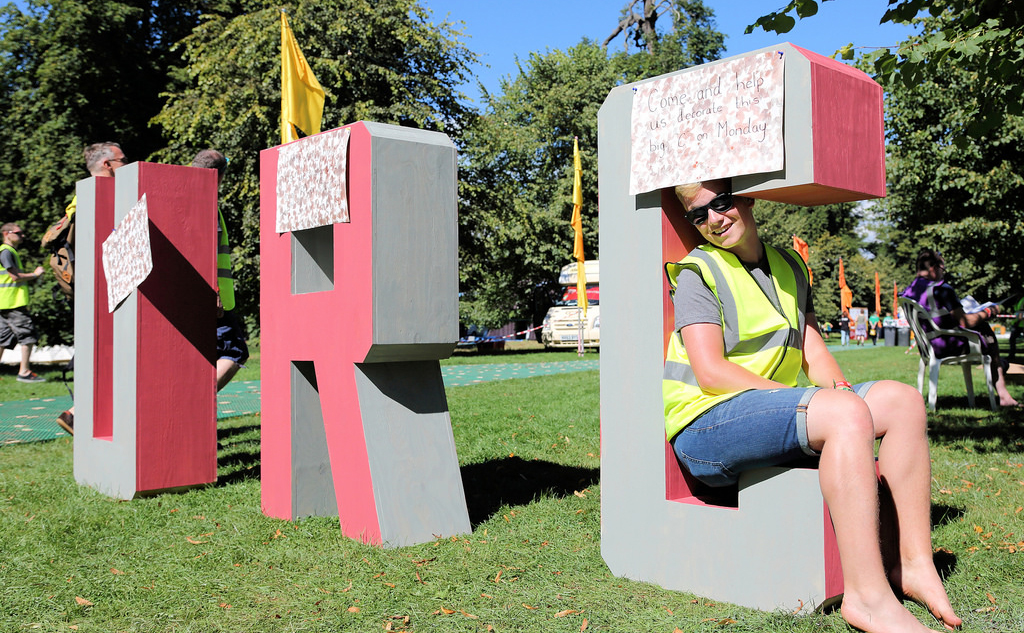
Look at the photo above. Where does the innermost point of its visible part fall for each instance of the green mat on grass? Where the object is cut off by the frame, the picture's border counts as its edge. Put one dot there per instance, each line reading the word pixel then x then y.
pixel 35 420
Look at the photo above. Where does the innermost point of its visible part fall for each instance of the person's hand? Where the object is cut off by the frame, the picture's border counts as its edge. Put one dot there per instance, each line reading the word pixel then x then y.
pixel 38 271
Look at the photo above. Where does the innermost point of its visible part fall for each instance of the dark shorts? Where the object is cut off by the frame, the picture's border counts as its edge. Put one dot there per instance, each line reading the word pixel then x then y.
pixel 757 428
pixel 231 339
pixel 16 328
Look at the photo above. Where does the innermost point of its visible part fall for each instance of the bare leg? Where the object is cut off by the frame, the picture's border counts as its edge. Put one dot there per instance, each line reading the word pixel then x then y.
pixel 900 418
pixel 839 425
pixel 226 370
pixel 26 353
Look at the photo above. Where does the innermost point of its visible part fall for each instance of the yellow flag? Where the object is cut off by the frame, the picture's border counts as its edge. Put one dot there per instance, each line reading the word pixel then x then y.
pixel 302 98
pixel 577 225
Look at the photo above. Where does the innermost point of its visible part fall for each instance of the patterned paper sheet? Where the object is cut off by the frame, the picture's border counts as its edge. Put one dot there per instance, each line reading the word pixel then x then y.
pixel 311 182
pixel 714 122
pixel 127 255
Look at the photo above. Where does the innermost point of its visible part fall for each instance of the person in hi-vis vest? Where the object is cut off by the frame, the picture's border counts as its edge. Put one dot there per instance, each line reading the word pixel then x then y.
pixel 16 326
pixel 232 350
pixel 744 331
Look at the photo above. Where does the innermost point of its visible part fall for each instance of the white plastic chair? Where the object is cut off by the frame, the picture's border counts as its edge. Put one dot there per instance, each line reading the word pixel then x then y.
pixel 924 331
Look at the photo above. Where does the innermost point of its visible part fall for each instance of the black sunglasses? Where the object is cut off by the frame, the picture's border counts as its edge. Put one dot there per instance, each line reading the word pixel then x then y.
pixel 699 215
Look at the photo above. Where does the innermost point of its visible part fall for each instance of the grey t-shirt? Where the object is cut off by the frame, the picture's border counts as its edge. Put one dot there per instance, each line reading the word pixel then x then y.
pixel 7 260
pixel 695 303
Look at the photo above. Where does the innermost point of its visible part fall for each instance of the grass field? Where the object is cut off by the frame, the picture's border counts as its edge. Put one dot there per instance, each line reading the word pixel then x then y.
pixel 209 561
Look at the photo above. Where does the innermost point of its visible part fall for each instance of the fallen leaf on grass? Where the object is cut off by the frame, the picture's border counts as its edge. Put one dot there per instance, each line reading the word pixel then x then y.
pixel 82 602
pixel 116 571
pixel 498 577
pixel 529 607
pixel 986 609
pixel 583 627
pixel 224 605
pixel 991 598
pixel 194 541
pixel 353 609
pixel 562 614
pixel 469 615
pixel 445 611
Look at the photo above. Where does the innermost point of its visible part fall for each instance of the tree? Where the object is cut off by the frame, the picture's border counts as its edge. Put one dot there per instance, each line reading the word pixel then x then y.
pixel 985 36
pixel 963 199
pixel 376 61
pixel 516 185
pixel 71 73
pixel 516 180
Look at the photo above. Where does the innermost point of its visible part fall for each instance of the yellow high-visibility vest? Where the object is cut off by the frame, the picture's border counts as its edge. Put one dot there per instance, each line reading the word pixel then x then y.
pixel 13 294
pixel 225 280
pixel 765 338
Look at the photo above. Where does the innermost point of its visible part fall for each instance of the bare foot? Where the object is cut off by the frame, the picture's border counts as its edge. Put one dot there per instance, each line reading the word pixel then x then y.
pixel 921 583
pixel 1007 401
pixel 882 615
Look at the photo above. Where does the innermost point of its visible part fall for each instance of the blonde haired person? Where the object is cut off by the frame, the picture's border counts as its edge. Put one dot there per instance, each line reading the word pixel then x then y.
pixel 745 328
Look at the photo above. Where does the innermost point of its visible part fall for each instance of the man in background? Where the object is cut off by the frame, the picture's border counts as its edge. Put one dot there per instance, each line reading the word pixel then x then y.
pixel 16 326
pixel 232 350
pixel 101 159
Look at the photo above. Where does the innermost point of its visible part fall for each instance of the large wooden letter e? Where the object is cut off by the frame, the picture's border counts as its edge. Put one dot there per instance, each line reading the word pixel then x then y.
pixel 354 317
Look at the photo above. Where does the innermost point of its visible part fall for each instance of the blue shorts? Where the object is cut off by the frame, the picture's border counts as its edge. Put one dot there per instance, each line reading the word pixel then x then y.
pixel 757 428
pixel 230 339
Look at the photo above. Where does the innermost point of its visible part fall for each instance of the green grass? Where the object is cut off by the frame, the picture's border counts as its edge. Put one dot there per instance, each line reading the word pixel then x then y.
pixel 209 561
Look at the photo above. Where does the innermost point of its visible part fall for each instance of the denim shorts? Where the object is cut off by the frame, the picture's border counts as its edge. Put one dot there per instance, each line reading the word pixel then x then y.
pixel 757 428
pixel 231 340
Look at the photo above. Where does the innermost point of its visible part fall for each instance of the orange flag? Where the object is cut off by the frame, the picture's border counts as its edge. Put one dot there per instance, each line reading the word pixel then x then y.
pixel 845 294
pixel 801 247
pixel 878 295
pixel 894 299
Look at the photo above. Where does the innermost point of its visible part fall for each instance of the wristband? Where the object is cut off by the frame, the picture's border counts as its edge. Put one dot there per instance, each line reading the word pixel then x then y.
pixel 843 385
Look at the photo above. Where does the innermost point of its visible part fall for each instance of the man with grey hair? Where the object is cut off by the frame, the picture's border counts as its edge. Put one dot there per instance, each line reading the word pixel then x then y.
pixel 101 159
pixel 232 350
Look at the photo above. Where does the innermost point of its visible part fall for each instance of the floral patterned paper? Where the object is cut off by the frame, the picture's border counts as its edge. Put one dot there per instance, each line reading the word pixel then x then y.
pixel 127 254
pixel 713 122
pixel 311 188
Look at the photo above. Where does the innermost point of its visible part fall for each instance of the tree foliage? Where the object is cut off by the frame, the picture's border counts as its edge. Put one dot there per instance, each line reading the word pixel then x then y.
pixel 963 199
pixel 168 78
pixel 516 178
pixel 383 62
pixel 984 36
pixel 71 73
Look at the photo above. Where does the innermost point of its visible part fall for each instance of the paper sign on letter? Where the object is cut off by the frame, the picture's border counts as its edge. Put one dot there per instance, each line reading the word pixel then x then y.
pixel 311 182
pixel 713 121
pixel 127 255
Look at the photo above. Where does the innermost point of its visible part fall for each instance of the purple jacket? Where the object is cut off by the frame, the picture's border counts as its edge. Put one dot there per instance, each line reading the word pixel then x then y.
pixel 939 298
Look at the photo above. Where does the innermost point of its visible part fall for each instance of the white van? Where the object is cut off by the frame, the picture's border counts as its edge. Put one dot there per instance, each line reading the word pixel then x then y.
pixel 562 322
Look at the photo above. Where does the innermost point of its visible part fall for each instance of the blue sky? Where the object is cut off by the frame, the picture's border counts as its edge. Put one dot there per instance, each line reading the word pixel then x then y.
pixel 499 31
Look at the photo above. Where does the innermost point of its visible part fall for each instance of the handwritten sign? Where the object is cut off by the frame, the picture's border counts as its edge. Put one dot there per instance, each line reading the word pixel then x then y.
pixel 712 122
pixel 311 182
pixel 127 255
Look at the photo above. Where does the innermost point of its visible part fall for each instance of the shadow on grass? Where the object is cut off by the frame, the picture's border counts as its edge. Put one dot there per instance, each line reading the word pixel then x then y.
pixel 238 454
pixel 1001 430
pixel 514 481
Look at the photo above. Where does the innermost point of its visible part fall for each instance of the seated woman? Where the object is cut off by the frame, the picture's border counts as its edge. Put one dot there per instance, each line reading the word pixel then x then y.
pixel 936 296
pixel 745 329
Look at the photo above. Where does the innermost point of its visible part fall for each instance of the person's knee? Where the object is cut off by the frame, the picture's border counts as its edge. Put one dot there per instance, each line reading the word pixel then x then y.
pixel 839 416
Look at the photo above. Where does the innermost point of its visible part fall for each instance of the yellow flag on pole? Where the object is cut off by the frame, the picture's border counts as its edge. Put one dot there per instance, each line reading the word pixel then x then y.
pixel 577 225
pixel 302 98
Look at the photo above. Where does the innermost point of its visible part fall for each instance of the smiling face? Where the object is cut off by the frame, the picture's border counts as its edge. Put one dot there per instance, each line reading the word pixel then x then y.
pixel 733 229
